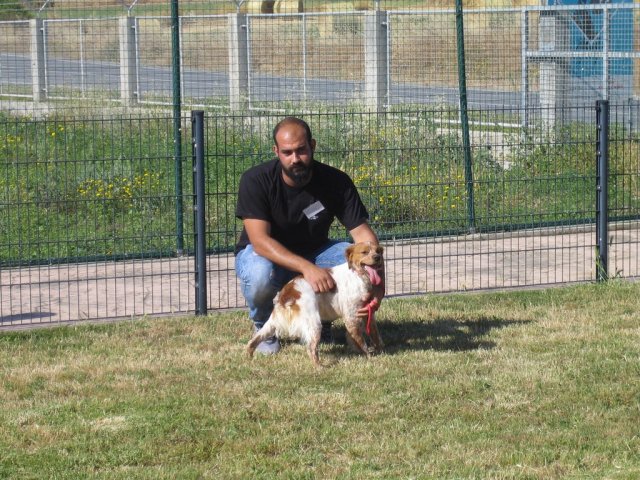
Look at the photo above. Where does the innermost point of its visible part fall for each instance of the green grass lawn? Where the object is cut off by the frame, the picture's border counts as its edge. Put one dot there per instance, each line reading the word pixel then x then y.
pixel 528 384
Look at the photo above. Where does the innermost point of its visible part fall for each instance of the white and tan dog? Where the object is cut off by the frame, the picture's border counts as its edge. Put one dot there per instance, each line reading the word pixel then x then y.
pixel 298 311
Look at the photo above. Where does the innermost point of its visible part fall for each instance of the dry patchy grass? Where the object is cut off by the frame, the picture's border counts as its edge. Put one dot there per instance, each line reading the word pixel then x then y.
pixel 532 384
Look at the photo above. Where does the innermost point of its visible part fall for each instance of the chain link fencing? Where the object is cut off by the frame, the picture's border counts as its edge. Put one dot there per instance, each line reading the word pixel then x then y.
pixel 96 187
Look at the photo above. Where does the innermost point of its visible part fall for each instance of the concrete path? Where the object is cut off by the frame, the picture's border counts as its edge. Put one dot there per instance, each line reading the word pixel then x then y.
pixel 56 294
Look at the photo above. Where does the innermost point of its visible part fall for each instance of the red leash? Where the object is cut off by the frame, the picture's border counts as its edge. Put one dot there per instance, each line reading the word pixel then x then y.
pixel 372 306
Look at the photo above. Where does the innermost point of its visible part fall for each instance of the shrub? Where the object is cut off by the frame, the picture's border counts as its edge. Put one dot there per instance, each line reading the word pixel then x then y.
pixel 14 10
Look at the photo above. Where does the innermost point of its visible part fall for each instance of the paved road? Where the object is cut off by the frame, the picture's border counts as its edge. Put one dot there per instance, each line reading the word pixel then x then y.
pixel 15 70
pixel 56 294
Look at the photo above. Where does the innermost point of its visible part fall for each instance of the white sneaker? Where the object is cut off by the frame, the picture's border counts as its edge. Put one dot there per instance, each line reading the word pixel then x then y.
pixel 270 346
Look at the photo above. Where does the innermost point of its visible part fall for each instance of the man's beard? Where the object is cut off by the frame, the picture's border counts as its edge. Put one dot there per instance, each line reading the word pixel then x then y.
pixel 300 174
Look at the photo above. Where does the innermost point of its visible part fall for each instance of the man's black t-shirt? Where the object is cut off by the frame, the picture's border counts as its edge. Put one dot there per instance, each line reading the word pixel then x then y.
pixel 300 217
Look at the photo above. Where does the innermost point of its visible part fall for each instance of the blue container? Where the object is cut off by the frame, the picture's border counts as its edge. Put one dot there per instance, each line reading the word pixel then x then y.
pixel 586 34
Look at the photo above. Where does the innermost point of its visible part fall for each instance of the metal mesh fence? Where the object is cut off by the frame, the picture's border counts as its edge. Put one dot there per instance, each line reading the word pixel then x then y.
pixel 78 56
pixel 624 195
pixel 91 232
pixel 533 56
pixel 95 186
pixel 15 40
pixel 85 204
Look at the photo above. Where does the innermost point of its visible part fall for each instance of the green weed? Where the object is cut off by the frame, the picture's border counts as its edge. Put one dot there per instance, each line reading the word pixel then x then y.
pixel 74 188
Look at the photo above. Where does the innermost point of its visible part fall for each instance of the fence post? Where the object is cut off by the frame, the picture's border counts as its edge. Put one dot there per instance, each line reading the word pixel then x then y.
pixel 38 78
pixel 197 127
pixel 376 59
pixel 602 190
pixel 177 122
pixel 553 36
pixel 524 69
pixel 238 61
pixel 464 119
pixel 128 61
pixel 634 114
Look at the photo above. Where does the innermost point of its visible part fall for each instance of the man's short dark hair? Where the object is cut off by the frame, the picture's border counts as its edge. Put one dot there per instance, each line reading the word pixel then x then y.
pixel 292 121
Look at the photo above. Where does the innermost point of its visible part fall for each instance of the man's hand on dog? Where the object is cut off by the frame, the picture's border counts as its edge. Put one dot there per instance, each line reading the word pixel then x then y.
pixel 319 278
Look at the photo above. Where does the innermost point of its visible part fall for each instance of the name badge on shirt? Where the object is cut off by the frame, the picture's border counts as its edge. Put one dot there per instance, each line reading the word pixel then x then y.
pixel 312 211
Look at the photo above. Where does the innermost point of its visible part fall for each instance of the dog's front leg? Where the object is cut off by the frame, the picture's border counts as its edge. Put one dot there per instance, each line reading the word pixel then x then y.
pixel 374 334
pixel 312 348
pixel 354 335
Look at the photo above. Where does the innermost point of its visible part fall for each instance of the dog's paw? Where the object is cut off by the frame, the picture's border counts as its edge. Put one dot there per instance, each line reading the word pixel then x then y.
pixel 375 350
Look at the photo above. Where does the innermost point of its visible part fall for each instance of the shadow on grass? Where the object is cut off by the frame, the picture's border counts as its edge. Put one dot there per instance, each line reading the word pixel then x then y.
pixel 442 334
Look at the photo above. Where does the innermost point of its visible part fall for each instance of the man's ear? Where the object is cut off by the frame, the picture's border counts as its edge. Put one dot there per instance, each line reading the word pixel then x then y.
pixel 312 143
pixel 275 149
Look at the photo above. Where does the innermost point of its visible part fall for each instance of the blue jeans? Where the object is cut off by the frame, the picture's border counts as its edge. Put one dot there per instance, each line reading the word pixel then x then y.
pixel 261 279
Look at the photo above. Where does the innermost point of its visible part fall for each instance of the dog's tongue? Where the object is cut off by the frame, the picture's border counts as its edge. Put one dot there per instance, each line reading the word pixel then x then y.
pixel 373 275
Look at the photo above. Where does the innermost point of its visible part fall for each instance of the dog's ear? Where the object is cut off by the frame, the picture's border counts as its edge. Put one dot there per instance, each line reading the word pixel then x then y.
pixel 348 254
